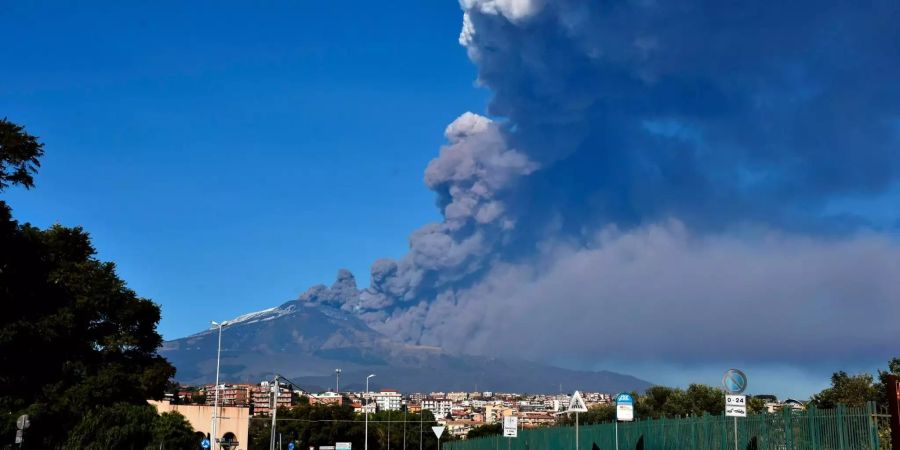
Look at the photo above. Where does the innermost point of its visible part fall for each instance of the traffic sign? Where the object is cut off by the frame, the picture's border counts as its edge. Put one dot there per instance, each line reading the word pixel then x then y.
pixel 736 406
pixel 734 381
pixel 204 443
pixel 576 404
pixel 22 422
pixel 511 426
pixel 624 407
pixel 290 446
pixel 438 431
pixel 343 445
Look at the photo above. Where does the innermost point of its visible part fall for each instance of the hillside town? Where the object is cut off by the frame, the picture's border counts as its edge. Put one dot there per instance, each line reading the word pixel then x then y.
pixel 459 412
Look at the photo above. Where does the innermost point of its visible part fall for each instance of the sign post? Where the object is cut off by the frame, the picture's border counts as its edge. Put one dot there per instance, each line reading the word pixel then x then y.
pixel 624 411
pixel 438 431
pixel 576 405
pixel 735 383
pixel 510 429
pixel 21 424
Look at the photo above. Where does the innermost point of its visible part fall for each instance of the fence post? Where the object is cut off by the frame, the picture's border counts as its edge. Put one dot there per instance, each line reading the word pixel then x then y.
pixel 872 422
pixel 788 428
pixel 813 426
pixel 842 429
pixel 724 432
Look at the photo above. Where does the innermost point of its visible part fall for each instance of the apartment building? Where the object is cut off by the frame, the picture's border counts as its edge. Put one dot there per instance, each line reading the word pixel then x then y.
pixel 440 407
pixel 261 397
pixel 388 400
pixel 229 394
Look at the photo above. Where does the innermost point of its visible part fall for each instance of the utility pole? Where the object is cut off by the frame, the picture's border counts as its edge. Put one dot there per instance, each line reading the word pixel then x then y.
pixel 366 407
pixel 215 418
pixel 403 405
pixel 274 413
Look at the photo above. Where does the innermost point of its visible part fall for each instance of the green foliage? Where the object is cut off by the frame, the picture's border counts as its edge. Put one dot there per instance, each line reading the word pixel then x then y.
pixel 173 432
pixel 72 335
pixel 127 426
pixel 315 425
pixel 485 430
pixel 850 390
pixel 19 155
pixel 893 369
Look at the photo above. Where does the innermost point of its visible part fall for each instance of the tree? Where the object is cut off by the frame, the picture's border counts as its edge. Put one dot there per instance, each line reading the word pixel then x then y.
pixel 119 426
pixel 485 431
pixel 850 390
pixel 19 155
pixel 171 431
pixel 72 335
pixel 127 426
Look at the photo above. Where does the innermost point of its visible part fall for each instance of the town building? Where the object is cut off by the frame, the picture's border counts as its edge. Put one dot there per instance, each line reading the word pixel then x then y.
pixel 440 407
pixel 388 400
pixel 261 398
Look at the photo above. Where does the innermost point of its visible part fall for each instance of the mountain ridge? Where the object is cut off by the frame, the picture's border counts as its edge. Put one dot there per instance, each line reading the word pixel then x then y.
pixel 306 341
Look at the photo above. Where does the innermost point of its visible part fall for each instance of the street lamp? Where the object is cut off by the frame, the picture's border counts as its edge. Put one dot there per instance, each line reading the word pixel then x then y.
pixel 337 382
pixel 215 418
pixel 366 406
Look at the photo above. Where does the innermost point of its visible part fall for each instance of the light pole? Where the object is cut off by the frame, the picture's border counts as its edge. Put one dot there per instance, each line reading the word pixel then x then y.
pixel 215 418
pixel 366 406
pixel 403 405
pixel 337 382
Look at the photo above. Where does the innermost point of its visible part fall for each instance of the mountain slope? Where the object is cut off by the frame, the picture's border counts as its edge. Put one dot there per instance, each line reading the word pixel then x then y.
pixel 306 342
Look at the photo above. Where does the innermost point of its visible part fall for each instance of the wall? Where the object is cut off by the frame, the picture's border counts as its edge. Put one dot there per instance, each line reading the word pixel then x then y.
pixel 233 419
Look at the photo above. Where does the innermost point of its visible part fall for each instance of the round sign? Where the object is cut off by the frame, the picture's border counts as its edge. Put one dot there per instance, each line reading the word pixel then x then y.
pixel 290 446
pixel 204 443
pixel 625 398
pixel 734 381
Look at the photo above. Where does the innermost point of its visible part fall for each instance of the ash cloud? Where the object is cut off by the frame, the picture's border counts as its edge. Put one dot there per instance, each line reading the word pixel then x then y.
pixel 648 160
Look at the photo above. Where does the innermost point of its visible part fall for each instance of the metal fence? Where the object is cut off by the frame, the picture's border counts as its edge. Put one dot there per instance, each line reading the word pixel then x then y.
pixel 842 428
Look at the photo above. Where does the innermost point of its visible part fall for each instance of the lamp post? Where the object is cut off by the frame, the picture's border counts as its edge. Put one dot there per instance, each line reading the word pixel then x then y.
pixel 403 405
pixel 215 418
pixel 366 406
pixel 337 381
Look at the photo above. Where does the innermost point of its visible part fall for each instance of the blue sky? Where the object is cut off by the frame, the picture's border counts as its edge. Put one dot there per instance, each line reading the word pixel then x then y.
pixel 226 157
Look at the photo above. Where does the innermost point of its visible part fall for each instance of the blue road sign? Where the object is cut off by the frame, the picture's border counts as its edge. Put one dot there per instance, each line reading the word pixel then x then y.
pixel 204 443
pixel 290 446
pixel 624 399
pixel 734 381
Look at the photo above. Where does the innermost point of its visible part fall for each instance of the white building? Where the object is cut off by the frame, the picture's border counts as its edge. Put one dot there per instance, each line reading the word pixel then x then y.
pixel 440 407
pixel 388 400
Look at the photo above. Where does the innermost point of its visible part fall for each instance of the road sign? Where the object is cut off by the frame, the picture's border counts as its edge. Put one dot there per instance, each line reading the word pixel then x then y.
pixel 343 446
pixel 22 422
pixel 736 405
pixel 290 446
pixel 204 443
pixel 438 431
pixel 624 407
pixel 576 404
pixel 510 426
pixel 18 436
pixel 734 381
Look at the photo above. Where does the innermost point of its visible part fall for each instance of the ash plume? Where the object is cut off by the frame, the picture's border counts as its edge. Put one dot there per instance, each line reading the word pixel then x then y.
pixel 657 160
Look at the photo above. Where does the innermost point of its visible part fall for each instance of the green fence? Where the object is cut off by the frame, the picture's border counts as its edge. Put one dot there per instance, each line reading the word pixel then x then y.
pixel 842 428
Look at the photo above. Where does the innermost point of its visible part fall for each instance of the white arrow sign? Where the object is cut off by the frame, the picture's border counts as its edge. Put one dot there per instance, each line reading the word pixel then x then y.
pixel 438 431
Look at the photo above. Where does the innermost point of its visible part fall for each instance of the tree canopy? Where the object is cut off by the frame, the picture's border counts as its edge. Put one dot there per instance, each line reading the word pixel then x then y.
pixel 20 155
pixel 73 336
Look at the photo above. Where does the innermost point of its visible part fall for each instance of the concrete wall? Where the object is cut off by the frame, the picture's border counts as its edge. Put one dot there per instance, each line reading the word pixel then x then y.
pixel 232 419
